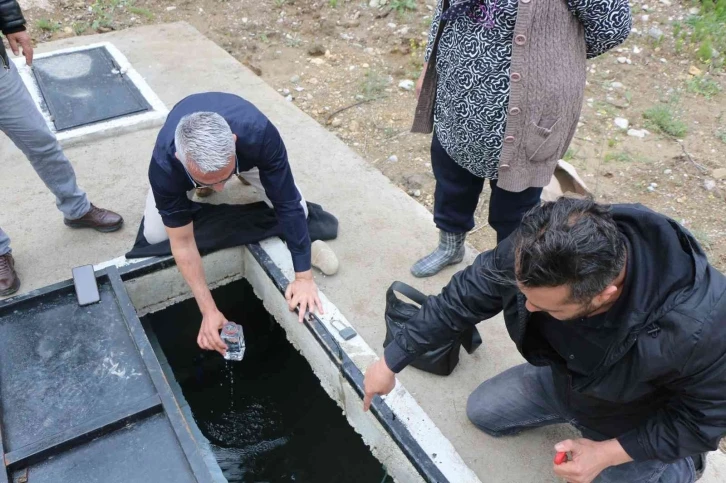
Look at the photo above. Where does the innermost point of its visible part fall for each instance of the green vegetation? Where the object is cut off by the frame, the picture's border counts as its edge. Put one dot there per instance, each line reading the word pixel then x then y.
pixel 705 32
pixel 704 86
pixel 373 84
pixel 333 3
pixel 665 120
pixel 401 6
pixel 143 12
pixel 47 25
pixel 79 28
pixel 622 157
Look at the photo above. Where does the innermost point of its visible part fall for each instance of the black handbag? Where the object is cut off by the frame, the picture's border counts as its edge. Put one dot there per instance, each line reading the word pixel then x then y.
pixel 440 361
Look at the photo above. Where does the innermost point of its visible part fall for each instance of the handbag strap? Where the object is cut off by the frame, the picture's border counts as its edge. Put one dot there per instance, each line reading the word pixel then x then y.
pixel 442 24
pixel 408 291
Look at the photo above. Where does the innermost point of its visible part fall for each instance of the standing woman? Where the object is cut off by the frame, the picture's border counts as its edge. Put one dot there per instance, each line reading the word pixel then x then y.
pixel 502 89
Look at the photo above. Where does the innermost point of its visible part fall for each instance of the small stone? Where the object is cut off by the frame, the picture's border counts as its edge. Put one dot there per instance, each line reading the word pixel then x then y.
pixel 316 50
pixel 317 61
pixel 651 188
pixel 655 33
pixel 407 85
pixel 622 60
pixel 393 158
pixel 719 173
pixel 353 126
pixel 417 193
pixel 645 18
pixel 392 25
pixel 170 8
pixel 693 70
pixel 637 50
pixel 68 30
pixel 336 122
pixel 694 10
pixel 667 3
pixel 617 85
pixel 709 184
pixel 295 79
pixel 299 89
pixel 245 20
pixel 286 92
pixel 668 171
pixel 663 61
pixel 654 185
pixel 289 98
pixel 375 3
pixel 622 123
pixel 636 133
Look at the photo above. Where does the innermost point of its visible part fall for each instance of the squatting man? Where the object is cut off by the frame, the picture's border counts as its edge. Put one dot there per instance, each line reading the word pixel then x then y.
pixel 622 322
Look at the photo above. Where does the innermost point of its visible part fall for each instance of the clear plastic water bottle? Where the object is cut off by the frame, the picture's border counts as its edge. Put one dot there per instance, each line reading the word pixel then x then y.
pixel 233 336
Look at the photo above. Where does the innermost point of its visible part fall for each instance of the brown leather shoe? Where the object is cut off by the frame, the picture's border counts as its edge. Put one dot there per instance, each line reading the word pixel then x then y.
pixel 99 219
pixel 9 281
pixel 204 192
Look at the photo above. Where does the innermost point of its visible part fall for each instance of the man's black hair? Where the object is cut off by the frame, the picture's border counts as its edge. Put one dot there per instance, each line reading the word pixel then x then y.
pixel 572 242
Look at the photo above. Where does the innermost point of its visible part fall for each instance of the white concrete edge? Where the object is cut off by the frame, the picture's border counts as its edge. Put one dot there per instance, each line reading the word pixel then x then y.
pixel 153 118
pixel 400 401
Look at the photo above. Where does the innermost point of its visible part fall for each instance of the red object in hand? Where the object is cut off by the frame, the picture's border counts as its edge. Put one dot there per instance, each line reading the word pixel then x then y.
pixel 560 457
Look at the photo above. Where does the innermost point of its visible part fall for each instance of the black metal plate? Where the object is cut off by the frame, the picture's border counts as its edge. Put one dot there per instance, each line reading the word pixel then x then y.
pixel 146 451
pixel 72 378
pixel 61 365
pixel 86 87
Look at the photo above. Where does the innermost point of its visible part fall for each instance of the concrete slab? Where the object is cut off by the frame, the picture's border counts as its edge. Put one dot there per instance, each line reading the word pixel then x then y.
pixel 382 231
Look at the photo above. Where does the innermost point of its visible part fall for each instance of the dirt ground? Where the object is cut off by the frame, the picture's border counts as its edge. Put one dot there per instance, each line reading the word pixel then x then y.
pixel 342 62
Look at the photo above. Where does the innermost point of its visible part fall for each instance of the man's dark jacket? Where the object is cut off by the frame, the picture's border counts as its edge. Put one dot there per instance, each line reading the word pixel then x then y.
pixel 661 387
pixel 11 21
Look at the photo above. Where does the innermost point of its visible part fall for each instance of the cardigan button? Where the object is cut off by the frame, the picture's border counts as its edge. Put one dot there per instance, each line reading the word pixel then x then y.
pixel 509 139
pixel 516 77
pixel 514 111
pixel 520 39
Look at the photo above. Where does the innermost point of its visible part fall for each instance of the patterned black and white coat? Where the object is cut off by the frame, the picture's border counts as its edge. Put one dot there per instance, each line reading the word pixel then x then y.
pixel 473 60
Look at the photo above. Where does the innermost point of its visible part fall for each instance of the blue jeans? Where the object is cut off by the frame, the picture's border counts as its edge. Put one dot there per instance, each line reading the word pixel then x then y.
pixel 21 121
pixel 457 195
pixel 524 397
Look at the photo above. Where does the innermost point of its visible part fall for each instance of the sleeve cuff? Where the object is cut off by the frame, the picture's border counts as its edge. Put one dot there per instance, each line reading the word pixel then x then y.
pixel 397 358
pixel 13 30
pixel 301 261
pixel 631 444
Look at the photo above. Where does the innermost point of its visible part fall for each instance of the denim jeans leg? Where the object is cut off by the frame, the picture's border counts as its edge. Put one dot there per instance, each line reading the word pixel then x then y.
pixel 21 121
pixel 651 471
pixel 4 242
pixel 519 398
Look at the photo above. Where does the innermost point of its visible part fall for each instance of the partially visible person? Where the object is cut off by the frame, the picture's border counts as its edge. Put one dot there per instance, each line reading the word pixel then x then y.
pixel 622 322
pixel 511 80
pixel 207 139
pixel 21 121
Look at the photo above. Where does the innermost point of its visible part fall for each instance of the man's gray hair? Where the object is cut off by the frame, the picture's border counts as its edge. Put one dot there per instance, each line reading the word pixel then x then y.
pixel 205 139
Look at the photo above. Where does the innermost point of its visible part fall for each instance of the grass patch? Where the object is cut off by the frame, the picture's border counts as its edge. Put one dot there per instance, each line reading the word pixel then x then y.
pixel 79 28
pixel 373 84
pixel 704 86
pixel 142 12
pixel 293 40
pixel 333 3
pixel 47 25
pixel 721 135
pixel 622 157
pixel 280 3
pixel 707 31
pixel 665 120
pixel 569 154
pixel 402 6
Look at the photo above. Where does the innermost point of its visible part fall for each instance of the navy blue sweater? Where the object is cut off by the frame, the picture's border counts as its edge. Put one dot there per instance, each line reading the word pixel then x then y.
pixel 259 145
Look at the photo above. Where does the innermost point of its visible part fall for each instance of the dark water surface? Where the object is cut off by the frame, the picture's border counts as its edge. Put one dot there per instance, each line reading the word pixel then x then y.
pixel 267 417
